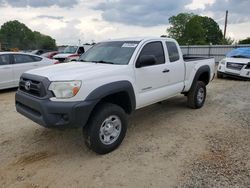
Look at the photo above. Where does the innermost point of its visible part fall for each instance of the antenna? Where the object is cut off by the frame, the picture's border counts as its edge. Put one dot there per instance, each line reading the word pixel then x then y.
pixel 225 27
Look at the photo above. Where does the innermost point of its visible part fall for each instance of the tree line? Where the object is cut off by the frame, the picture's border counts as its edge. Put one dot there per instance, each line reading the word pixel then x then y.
pixel 16 35
pixel 186 28
pixel 191 29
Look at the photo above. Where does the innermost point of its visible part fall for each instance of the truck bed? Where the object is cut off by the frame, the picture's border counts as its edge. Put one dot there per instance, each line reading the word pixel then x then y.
pixel 195 58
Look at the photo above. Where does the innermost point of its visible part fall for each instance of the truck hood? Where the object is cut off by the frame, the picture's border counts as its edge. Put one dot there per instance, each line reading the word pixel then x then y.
pixel 238 60
pixel 75 71
pixel 62 55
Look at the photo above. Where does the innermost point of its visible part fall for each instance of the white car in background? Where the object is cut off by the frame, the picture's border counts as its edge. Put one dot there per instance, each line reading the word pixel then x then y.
pixel 71 53
pixel 236 64
pixel 13 64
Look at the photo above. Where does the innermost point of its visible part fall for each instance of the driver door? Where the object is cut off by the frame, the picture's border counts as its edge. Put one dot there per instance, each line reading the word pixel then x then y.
pixel 152 80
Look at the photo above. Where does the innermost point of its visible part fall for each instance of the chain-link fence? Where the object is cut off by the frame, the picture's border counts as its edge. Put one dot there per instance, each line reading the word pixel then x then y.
pixel 216 51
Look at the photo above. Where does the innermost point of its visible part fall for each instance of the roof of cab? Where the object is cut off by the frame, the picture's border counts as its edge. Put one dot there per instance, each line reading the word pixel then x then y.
pixel 138 39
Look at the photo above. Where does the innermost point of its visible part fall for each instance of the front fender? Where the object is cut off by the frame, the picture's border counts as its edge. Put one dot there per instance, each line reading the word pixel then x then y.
pixel 112 88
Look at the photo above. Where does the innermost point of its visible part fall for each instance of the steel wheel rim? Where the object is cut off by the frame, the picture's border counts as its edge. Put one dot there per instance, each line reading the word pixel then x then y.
pixel 110 130
pixel 200 95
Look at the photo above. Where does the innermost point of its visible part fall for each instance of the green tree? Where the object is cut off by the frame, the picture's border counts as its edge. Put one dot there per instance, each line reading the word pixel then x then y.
pixel 18 35
pixel 15 35
pixel 245 41
pixel 194 29
pixel 228 41
pixel 178 24
pixel 44 41
pixel 213 33
pixel 194 32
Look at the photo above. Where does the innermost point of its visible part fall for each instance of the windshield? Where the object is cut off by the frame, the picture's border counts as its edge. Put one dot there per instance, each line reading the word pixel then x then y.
pixel 116 52
pixel 70 50
pixel 239 53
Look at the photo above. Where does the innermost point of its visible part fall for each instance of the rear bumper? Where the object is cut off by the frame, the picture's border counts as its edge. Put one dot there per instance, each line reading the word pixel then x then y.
pixel 53 114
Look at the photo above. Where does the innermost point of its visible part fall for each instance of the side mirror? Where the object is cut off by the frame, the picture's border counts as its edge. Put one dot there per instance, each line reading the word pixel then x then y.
pixel 146 60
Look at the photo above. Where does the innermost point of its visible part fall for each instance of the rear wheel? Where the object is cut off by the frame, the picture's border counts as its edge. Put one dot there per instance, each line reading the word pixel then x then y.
pixel 197 95
pixel 106 128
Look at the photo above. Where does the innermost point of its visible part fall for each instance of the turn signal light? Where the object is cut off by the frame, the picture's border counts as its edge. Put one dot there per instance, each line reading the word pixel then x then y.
pixel 75 90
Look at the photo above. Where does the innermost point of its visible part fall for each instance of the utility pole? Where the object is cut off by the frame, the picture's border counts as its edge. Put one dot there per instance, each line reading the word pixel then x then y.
pixel 225 27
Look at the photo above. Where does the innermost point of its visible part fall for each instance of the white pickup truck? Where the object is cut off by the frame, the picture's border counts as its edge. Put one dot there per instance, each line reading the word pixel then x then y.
pixel 110 81
pixel 71 53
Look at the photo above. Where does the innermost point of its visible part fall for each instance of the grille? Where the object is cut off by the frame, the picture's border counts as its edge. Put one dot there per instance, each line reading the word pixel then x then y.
pixel 32 87
pixel 234 66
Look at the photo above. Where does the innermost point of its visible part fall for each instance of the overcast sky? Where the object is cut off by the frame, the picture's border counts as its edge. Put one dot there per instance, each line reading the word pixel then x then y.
pixel 70 20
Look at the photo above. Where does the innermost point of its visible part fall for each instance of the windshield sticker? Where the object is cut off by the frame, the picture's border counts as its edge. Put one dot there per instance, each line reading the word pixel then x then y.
pixel 129 45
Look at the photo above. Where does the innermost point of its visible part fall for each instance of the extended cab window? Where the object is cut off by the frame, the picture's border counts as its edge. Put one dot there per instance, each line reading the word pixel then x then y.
pixel 172 52
pixel 19 58
pixel 4 59
pixel 155 49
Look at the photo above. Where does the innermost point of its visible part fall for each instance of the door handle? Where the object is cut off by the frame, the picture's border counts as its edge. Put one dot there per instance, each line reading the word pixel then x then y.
pixel 166 70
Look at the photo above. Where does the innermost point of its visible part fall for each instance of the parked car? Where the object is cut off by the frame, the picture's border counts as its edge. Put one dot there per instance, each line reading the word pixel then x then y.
pixel 110 81
pixel 50 55
pixel 39 51
pixel 236 64
pixel 71 53
pixel 13 64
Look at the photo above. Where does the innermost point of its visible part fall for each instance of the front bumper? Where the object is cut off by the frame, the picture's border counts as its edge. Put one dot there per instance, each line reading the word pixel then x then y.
pixel 232 75
pixel 53 114
pixel 242 74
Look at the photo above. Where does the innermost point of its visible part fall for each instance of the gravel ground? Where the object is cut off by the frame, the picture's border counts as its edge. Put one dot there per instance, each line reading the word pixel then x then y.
pixel 167 145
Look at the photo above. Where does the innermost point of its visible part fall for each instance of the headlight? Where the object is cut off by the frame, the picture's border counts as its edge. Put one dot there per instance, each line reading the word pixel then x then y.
pixel 223 62
pixel 64 90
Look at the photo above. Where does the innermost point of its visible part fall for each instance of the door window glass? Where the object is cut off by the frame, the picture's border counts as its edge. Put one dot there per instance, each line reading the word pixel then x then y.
pixel 20 58
pixel 4 59
pixel 155 49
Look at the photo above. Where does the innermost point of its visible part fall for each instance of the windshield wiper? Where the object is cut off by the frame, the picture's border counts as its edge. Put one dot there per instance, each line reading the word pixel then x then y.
pixel 105 62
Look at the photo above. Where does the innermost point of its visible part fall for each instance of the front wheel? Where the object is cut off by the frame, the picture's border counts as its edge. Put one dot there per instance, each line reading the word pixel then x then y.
pixel 106 129
pixel 197 95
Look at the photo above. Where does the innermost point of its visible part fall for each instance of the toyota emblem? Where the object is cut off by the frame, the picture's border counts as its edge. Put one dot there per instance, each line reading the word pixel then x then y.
pixel 27 85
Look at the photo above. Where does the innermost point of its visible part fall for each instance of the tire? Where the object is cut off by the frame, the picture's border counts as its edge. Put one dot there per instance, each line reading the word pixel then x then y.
pixel 106 128
pixel 219 75
pixel 197 95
